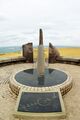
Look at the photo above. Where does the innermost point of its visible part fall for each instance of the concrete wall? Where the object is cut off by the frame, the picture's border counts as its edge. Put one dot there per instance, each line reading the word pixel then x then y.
pixel 12 61
pixel 27 51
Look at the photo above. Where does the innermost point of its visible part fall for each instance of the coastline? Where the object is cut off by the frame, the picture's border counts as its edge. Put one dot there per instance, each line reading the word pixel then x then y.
pixel 65 52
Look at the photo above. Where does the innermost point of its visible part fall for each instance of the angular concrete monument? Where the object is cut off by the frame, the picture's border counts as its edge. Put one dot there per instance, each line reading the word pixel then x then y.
pixel 54 54
pixel 27 50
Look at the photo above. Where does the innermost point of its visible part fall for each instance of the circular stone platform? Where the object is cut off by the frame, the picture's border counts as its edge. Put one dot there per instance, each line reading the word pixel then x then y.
pixel 51 77
pixel 28 79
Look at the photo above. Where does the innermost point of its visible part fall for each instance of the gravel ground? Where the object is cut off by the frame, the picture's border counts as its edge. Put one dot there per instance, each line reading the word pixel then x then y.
pixel 8 98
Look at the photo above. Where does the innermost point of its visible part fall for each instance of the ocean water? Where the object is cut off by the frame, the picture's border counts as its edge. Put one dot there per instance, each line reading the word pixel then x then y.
pixel 10 49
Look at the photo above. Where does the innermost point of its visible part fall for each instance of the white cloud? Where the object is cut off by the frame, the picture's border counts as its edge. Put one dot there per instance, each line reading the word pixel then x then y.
pixel 60 20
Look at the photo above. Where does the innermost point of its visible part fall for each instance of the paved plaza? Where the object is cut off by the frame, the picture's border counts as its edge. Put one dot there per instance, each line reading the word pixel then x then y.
pixel 8 98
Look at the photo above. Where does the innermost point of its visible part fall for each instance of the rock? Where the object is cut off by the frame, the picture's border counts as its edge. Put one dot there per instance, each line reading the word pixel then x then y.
pixel 28 52
pixel 54 54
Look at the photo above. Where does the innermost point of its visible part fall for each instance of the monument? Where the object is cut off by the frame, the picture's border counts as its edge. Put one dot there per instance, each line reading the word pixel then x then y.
pixel 40 89
pixel 54 54
pixel 40 59
pixel 28 52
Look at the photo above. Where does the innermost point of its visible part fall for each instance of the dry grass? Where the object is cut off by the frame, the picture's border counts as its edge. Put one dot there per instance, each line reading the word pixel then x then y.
pixel 10 55
pixel 70 52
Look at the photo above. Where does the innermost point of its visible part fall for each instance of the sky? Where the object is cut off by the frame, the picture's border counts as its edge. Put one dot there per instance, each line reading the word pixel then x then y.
pixel 20 21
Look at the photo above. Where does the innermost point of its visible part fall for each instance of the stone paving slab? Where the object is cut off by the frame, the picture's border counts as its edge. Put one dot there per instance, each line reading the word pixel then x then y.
pixel 40 105
pixel 8 98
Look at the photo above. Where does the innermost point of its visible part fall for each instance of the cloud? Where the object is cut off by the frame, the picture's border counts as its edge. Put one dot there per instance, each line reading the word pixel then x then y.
pixel 2 18
pixel 59 19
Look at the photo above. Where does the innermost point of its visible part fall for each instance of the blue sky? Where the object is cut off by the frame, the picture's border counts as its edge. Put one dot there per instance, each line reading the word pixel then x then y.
pixel 20 21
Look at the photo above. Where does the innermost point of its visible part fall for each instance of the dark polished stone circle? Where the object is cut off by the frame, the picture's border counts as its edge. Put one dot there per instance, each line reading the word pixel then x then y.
pixel 51 77
pixel 39 102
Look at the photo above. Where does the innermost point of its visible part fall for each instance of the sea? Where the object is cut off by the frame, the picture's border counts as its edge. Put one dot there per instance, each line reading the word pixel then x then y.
pixel 10 49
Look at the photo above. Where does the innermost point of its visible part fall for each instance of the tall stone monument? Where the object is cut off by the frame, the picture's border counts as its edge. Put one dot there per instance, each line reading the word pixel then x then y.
pixel 40 58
